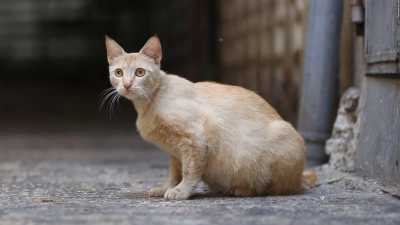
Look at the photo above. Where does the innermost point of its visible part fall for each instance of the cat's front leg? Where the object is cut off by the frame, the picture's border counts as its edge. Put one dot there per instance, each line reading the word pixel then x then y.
pixel 193 162
pixel 174 178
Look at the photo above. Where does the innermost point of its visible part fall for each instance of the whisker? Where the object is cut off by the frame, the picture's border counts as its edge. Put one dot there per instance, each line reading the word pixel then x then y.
pixel 105 91
pixel 111 105
pixel 147 94
pixel 110 102
pixel 118 105
pixel 151 94
pixel 115 99
pixel 143 93
pixel 106 96
pixel 105 99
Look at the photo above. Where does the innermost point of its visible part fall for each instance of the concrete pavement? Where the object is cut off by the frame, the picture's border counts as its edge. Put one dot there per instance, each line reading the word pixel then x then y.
pixel 94 175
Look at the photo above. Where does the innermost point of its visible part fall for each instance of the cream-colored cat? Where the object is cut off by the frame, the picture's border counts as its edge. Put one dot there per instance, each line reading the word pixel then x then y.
pixel 226 136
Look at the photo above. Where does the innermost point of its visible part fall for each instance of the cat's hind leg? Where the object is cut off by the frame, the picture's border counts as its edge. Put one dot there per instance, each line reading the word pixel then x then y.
pixel 174 178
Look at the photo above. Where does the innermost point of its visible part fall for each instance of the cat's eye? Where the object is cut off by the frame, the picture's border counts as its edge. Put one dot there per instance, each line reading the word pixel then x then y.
pixel 140 72
pixel 119 73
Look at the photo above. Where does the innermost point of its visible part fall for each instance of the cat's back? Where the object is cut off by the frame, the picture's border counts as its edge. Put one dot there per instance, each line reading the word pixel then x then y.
pixel 235 100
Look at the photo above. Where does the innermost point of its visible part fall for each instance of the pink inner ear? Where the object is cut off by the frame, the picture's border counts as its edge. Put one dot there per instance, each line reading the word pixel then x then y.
pixel 113 53
pixel 152 49
pixel 113 50
pixel 150 53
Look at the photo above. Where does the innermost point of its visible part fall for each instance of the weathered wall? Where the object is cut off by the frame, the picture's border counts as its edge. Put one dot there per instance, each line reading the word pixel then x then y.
pixel 378 150
pixel 262 45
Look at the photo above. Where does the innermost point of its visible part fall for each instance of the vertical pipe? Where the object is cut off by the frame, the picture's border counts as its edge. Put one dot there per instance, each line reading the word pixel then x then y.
pixel 320 70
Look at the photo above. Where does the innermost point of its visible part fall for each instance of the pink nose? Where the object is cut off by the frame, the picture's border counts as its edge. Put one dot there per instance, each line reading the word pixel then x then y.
pixel 127 83
pixel 127 86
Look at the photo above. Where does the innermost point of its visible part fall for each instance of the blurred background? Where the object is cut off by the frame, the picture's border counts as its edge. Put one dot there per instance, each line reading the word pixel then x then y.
pixel 53 63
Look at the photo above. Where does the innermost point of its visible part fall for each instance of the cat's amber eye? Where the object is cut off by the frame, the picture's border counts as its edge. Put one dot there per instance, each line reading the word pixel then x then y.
pixel 140 72
pixel 119 73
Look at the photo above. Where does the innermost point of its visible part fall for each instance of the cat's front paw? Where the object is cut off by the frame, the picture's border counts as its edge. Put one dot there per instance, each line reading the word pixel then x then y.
pixel 157 192
pixel 176 194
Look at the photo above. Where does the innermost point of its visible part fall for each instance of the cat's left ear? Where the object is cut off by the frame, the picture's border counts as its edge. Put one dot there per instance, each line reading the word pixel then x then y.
pixel 113 50
pixel 152 49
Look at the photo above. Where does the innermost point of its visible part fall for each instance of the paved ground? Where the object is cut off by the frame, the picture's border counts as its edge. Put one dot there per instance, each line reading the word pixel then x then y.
pixel 94 175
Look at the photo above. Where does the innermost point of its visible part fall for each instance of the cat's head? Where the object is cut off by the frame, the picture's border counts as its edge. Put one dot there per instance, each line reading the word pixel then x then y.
pixel 135 75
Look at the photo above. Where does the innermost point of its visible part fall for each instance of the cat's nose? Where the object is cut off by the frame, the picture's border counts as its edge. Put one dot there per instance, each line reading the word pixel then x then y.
pixel 127 84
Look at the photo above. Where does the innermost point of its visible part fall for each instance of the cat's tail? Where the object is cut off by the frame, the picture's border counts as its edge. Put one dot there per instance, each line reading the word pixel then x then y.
pixel 309 180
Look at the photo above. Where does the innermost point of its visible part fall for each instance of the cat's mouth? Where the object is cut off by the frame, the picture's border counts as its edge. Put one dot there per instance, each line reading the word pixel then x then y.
pixel 125 92
pixel 128 93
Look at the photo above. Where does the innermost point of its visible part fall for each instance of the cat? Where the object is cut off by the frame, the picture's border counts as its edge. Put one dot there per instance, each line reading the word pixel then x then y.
pixel 226 136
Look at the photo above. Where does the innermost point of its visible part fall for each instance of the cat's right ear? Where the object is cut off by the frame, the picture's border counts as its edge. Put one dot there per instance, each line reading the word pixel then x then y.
pixel 113 50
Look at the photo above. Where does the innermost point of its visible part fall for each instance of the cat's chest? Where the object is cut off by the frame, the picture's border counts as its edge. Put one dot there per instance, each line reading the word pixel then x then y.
pixel 146 127
pixel 156 129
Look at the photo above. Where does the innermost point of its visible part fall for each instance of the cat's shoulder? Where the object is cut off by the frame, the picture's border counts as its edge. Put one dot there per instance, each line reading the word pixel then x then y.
pixel 177 80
